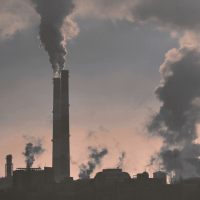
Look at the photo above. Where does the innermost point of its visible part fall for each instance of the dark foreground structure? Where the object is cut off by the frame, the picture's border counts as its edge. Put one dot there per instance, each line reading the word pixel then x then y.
pixel 110 184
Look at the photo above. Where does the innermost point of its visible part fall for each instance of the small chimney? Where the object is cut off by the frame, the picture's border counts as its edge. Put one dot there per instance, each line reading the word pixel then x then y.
pixel 8 166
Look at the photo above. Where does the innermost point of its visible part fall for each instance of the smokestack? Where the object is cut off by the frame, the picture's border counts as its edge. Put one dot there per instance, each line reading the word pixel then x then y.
pixel 61 155
pixel 8 166
pixel 56 126
pixel 64 151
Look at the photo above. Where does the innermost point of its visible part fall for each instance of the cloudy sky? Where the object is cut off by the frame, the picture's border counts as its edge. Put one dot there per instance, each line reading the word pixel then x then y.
pixel 118 53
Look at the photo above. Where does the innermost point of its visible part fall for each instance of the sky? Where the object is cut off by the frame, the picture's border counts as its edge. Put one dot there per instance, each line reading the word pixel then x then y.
pixel 133 87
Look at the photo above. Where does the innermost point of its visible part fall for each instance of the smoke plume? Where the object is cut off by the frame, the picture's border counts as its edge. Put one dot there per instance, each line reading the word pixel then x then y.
pixel 121 160
pixel 94 160
pixel 179 115
pixel 174 14
pixel 52 35
pixel 31 151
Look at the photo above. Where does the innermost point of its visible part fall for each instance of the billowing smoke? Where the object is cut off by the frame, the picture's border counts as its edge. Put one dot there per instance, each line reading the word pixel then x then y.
pixel 175 14
pixel 31 151
pixel 179 115
pixel 121 160
pixel 52 35
pixel 94 160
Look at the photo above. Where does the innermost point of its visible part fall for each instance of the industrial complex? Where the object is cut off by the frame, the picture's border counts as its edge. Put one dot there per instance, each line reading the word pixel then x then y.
pixel 109 184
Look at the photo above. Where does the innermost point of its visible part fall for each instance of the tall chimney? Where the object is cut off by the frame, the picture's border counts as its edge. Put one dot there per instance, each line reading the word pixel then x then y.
pixel 56 127
pixel 8 166
pixel 64 151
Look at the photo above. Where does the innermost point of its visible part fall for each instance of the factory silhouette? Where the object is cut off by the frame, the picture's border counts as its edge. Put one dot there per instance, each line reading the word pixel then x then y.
pixel 109 184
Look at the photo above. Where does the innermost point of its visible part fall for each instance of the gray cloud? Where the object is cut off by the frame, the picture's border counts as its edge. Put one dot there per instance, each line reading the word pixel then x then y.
pixel 176 14
pixel 173 13
pixel 180 113
pixel 15 15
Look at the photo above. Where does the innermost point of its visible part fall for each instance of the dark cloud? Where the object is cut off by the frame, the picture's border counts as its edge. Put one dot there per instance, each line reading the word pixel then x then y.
pixel 52 36
pixel 94 160
pixel 178 116
pixel 180 113
pixel 171 160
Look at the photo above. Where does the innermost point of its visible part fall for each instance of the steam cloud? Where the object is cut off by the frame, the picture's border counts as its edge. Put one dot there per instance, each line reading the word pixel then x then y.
pixel 52 35
pixel 94 160
pixel 179 115
pixel 121 160
pixel 31 151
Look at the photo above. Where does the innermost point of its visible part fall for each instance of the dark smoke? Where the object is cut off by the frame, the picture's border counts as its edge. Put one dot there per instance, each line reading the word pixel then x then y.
pixel 121 160
pixel 94 160
pixel 172 160
pixel 31 151
pixel 53 14
pixel 180 113
pixel 152 160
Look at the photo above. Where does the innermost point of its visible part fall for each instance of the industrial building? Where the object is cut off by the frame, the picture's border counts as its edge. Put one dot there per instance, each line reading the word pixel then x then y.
pixel 32 178
pixel 7 181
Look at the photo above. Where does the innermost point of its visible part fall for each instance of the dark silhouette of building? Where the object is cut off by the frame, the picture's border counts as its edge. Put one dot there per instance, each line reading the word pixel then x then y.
pixel 61 151
pixel 32 178
pixel 8 166
pixel 160 175
pixel 110 184
pixel 7 181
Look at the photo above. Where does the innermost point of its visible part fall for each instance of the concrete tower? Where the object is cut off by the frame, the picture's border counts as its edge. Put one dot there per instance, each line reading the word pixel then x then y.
pixel 61 154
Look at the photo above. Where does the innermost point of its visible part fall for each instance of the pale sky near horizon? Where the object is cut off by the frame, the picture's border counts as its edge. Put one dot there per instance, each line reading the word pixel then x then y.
pixel 114 63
